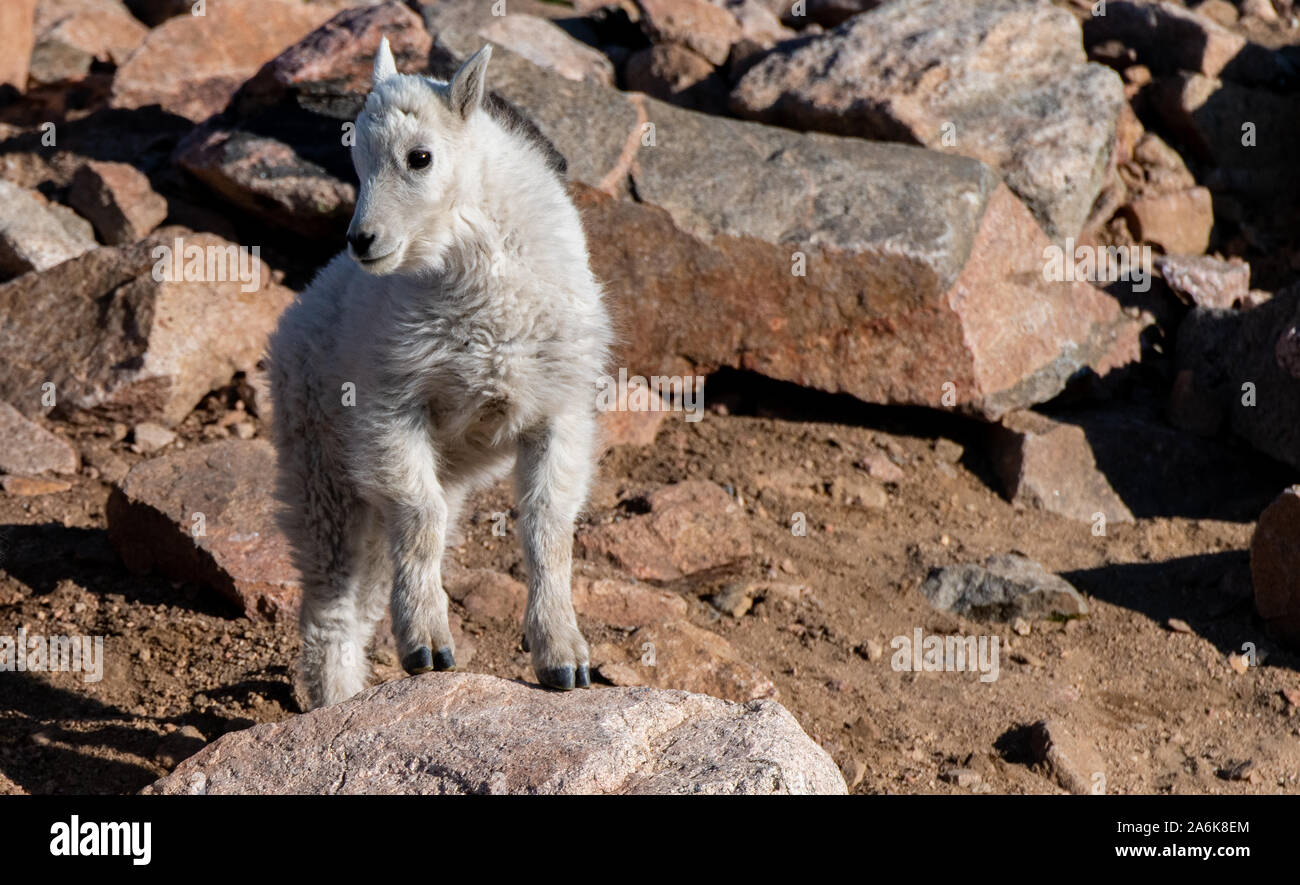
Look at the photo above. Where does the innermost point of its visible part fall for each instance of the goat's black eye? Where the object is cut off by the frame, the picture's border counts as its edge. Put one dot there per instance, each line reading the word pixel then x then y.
pixel 418 159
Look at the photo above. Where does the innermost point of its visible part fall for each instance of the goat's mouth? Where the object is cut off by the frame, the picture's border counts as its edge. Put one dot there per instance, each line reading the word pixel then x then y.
pixel 378 262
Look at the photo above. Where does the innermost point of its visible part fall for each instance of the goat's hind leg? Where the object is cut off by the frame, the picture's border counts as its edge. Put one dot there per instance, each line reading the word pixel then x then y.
pixel 333 623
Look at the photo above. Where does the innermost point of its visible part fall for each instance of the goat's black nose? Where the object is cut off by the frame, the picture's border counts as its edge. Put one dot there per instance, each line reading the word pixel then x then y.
pixel 361 243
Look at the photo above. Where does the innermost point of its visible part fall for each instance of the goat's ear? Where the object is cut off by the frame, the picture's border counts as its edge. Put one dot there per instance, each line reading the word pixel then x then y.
pixel 385 66
pixel 467 86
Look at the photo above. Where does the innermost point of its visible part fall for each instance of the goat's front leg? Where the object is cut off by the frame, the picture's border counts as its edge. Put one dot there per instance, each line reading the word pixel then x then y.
pixel 554 470
pixel 404 477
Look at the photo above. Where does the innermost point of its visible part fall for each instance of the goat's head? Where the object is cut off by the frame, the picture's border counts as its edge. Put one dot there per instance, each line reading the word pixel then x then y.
pixel 409 137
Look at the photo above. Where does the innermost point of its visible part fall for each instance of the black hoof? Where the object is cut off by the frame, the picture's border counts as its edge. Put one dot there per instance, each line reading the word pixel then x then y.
pixel 523 642
pixel 557 677
pixel 444 660
pixel 583 678
pixel 418 661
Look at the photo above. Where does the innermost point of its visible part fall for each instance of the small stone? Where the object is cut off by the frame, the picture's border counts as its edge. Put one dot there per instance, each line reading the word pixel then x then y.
pixel 1178 625
pixel 1004 587
pixel 872 650
pixel 960 777
pixel 878 466
pixel 1239 663
pixel 1020 656
pixel 677 654
pixel 1020 626
pixel 1206 281
pixel 150 437
pixel 29 449
pixel 243 430
pixel 948 451
pixel 1243 770
pixel 858 493
pixel 33 486
pixel 1179 222
pixel 854 770
pixel 733 599
pixel 1071 760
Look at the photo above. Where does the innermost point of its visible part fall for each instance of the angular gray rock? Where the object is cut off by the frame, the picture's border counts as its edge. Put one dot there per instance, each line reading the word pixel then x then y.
pixel 1003 81
pixel 1005 587
pixel 459 733
pixel 34 235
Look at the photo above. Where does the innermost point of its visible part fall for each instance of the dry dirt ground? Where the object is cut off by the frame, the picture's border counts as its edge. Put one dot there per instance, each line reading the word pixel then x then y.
pixel 1167 711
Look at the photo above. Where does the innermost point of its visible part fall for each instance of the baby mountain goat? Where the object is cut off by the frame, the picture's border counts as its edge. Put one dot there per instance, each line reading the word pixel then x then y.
pixel 463 331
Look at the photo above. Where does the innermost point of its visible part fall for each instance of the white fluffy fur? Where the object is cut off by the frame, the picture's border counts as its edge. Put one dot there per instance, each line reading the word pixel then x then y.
pixel 474 340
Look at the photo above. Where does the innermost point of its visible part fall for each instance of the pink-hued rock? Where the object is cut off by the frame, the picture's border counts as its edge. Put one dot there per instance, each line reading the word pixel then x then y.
pixel 623 603
pixel 71 35
pixel 692 526
pixel 493 597
pixel 32 486
pixel 677 654
pixel 16 38
pixel 338 58
pixel 27 448
pixel 267 179
pixel 1050 465
pixel 1178 222
pixel 204 515
pixel 1207 281
pixel 630 428
pixel 1275 565
pixel 118 333
pixel 673 73
pixel 488 595
pixel 118 200
pixel 548 46
pixel 192 65
pixel 458 733
pixel 696 24
pixel 1069 757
